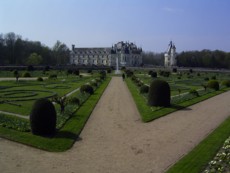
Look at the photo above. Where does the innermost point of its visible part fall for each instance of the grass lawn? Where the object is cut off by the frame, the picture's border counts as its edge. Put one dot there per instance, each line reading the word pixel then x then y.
pixel 67 135
pixel 20 96
pixel 151 113
pixel 197 160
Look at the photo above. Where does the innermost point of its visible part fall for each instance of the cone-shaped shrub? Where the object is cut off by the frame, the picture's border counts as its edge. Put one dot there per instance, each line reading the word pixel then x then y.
pixel 159 93
pixel 43 118
pixel 213 84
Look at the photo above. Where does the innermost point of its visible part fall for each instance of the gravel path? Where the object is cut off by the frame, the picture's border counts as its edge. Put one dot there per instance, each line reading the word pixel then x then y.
pixel 115 140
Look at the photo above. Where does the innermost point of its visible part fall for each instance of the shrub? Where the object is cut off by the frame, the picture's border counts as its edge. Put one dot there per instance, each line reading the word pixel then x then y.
pixel 74 100
pixel 109 70
pixel 43 118
pixel 194 92
pixel 52 76
pixel 206 79
pixel 76 72
pixel 159 93
pixel 213 84
pixel 174 70
pixel 89 71
pixel 69 71
pixel 154 74
pixel 40 79
pixel 190 70
pixel 150 72
pixel 213 77
pixel 129 73
pixel 164 73
pixel 15 72
pixel 144 89
pixel 102 75
pixel 26 74
pixel 226 83
pixel 86 89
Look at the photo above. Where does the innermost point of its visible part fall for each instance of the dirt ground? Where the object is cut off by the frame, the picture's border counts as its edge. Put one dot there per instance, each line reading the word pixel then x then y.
pixel 115 140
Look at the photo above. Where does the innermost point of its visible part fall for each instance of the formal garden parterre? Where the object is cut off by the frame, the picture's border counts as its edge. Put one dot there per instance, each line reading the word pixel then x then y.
pixel 186 88
pixel 64 89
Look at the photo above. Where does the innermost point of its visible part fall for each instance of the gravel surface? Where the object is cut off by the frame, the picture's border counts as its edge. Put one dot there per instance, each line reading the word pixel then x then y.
pixel 115 140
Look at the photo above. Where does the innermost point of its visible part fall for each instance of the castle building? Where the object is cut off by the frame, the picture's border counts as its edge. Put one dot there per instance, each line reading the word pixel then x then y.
pixel 128 55
pixel 170 56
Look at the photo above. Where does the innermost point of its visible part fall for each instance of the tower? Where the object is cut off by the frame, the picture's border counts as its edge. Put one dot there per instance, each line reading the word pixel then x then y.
pixel 170 55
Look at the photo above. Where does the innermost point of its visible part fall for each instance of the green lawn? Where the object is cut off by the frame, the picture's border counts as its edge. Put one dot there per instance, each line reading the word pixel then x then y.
pixel 20 96
pixel 197 160
pixel 67 135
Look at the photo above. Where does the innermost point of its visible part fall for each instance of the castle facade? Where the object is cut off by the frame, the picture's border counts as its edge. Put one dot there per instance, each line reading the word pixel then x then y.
pixel 128 55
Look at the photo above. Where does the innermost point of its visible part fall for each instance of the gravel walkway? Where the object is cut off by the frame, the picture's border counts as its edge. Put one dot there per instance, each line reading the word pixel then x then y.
pixel 115 140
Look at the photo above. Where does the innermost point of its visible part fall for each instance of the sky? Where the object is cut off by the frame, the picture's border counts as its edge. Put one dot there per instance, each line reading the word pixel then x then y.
pixel 150 24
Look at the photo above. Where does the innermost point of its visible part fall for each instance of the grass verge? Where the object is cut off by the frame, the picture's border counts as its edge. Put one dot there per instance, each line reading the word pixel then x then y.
pixel 149 114
pixel 197 160
pixel 67 135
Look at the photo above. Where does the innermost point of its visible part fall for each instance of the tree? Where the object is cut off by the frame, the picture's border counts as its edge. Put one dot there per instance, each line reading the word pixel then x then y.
pixel 61 53
pixel 34 59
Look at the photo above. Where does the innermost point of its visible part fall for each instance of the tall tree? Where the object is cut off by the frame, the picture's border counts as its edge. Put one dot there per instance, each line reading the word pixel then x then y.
pixel 34 59
pixel 61 53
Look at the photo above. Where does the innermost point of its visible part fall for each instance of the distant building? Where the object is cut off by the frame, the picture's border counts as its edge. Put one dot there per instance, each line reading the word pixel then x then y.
pixel 170 55
pixel 128 55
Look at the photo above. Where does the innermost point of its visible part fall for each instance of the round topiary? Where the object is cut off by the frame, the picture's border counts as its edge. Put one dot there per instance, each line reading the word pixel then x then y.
pixel 40 79
pixel 26 74
pixel 154 74
pixel 86 89
pixel 144 89
pixel 159 93
pixel 213 84
pixel 43 118
pixel 226 83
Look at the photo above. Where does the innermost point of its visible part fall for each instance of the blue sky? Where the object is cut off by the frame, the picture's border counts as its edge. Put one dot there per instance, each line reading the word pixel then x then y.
pixel 151 24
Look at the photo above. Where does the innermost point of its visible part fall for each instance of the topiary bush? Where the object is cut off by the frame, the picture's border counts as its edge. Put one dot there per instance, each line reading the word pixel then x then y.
pixel 76 72
pixel 144 89
pixel 154 74
pixel 43 118
pixel 213 84
pixel 26 74
pixel 86 89
pixel 40 79
pixel 226 83
pixel 159 93
pixel 194 92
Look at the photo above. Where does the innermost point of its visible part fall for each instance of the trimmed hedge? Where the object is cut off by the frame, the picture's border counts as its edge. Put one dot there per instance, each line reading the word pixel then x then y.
pixel 43 118
pixel 159 93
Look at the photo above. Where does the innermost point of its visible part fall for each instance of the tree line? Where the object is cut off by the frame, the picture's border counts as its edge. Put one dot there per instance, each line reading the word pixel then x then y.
pixel 204 59
pixel 17 51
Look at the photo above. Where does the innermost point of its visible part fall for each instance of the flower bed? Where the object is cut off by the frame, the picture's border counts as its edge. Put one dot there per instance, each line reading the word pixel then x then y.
pixel 221 162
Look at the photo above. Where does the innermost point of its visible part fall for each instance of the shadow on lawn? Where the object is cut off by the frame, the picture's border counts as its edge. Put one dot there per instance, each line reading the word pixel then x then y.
pixel 67 135
pixel 178 107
